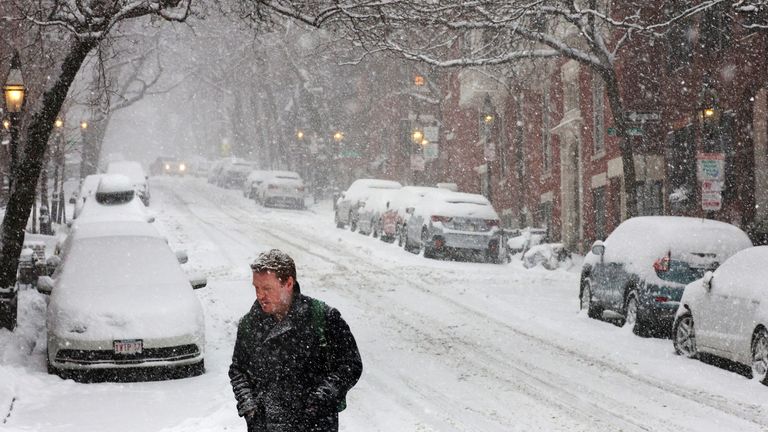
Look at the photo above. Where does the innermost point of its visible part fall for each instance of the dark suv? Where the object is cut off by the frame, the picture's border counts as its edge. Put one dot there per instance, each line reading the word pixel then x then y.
pixel 637 276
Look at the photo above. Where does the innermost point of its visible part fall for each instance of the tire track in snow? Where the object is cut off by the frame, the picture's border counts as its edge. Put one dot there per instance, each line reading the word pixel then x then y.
pixel 746 413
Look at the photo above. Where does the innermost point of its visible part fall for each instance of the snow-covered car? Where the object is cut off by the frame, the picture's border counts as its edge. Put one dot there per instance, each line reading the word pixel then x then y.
pixel 637 276
pixel 523 239
pixel 725 313
pixel 87 189
pixel 282 187
pixel 234 173
pixel 114 199
pixel 253 182
pixel 370 212
pixel 168 165
pixel 452 224
pixel 402 203
pixel 120 300
pixel 345 211
pixel 135 173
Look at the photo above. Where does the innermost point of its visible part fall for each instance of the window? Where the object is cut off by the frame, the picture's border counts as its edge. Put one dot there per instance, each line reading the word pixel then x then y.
pixel 598 209
pixel 715 30
pixel 598 113
pixel 680 46
pixel 546 135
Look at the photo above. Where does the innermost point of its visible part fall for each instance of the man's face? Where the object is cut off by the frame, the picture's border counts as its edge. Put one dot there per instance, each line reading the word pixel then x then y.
pixel 273 295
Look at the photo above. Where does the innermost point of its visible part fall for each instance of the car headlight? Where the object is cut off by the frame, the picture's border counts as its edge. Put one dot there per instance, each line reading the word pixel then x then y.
pixel 167 166
pixel 182 167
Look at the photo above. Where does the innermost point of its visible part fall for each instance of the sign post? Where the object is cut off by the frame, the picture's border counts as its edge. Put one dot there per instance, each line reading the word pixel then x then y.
pixel 711 175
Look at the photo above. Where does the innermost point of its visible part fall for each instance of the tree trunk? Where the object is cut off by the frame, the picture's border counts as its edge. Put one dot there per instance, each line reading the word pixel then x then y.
pixel 627 155
pixel 26 175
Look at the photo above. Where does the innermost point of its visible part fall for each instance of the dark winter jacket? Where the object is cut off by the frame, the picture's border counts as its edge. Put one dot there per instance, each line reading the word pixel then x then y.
pixel 282 374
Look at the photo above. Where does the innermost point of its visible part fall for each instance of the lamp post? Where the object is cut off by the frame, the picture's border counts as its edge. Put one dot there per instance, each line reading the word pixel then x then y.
pixel 15 95
pixel 487 118
pixel 85 153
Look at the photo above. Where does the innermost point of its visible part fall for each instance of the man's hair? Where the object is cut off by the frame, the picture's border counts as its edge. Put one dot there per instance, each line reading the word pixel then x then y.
pixel 277 262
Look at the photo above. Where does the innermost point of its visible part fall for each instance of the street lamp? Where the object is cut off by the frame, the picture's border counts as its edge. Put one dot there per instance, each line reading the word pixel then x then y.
pixel 338 136
pixel 418 136
pixel 300 135
pixel 15 94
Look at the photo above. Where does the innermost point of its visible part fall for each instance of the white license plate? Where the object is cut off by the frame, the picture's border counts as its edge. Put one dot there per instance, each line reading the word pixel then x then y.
pixel 128 347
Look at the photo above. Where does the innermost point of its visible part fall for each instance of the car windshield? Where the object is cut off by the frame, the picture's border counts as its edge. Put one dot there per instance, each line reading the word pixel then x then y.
pixel 136 263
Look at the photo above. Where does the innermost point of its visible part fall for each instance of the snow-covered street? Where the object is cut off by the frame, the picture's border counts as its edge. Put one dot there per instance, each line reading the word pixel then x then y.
pixel 446 346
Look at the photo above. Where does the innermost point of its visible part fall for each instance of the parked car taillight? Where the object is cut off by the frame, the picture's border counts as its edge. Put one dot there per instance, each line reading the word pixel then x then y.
pixel 492 222
pixel 662 264
pixel 443 219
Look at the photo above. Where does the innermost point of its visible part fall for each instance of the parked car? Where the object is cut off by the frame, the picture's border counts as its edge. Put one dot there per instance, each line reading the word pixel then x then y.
pixel 371 211
pixel 455 224
pixel 252 183
pixel 120 300
pixel 135 173
pixel 638 274
pixel 215 170
pixel 395 218
pixel 87 189
pixel 282 187
pixel 114 199
pixel 167 165
pixel 726 313
pixel 345 211
pixel 233 173
pixel 523 239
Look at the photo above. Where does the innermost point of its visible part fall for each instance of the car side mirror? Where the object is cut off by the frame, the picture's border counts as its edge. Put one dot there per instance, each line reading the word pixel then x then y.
pixel 707 280
pixel 598 248
pixel 182 256
pixel 198 281
pixel 45 284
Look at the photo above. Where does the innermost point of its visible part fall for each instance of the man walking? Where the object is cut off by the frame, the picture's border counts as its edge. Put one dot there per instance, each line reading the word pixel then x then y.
pixel 295 358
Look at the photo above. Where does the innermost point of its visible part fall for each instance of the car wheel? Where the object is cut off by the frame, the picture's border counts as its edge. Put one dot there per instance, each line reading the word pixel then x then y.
pixel 760 356
pixel 593 310
pixel 684 336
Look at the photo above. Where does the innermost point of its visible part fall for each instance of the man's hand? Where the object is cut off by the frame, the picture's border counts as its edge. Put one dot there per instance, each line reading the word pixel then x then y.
pixel 322 400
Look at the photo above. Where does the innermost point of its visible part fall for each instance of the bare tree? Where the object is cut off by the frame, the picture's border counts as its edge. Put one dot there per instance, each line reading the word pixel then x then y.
pixel 82 26
pixel 458 33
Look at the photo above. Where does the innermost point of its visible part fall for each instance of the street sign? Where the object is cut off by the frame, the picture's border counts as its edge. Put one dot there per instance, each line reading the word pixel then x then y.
pixel 711 201
pixel 431 150
pixel 711 186
pixel 633 131
pixel 431 133
pixel 642 116
pixel 711 166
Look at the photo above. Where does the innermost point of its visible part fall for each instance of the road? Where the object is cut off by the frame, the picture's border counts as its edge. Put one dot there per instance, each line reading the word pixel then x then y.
pixel 446 346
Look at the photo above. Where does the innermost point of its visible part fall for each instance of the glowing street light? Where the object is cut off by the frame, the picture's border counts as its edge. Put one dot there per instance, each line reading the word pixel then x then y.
pixel 338 136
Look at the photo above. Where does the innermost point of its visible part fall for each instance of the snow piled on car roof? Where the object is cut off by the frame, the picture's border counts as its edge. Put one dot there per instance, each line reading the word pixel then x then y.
pixel 639 241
